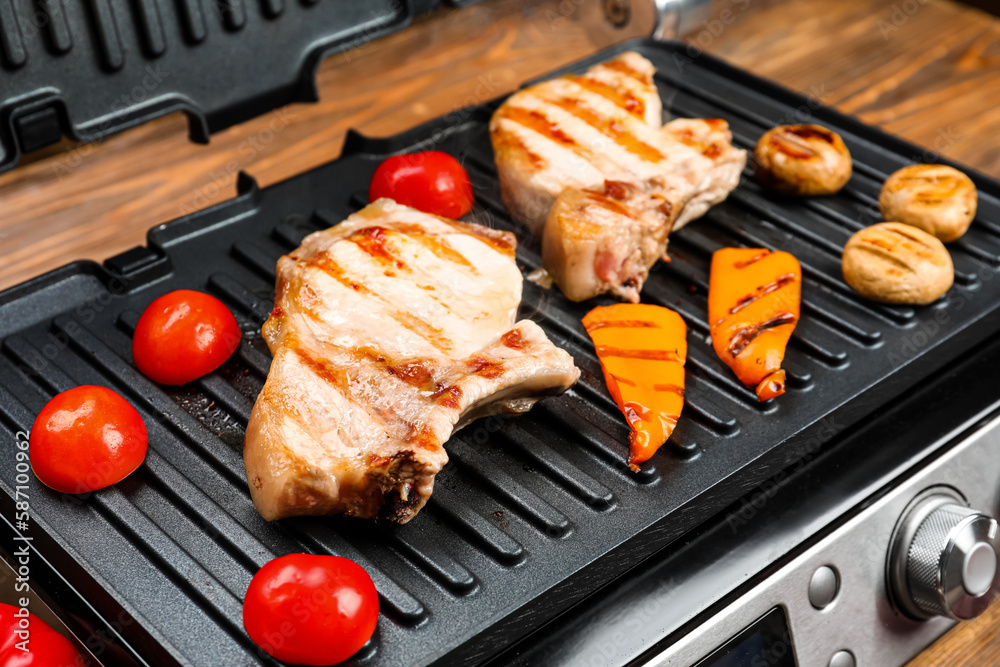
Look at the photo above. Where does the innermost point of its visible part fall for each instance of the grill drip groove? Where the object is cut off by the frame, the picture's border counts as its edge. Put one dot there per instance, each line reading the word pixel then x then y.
pixel 526 504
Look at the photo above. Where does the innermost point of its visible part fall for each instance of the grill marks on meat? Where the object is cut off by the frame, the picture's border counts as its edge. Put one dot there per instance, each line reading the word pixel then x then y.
pixel 615 130
pixel 566 147
pixel 390 331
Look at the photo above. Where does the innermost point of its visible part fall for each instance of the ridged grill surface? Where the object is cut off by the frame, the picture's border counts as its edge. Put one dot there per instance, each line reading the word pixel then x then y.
pixel 531 513
pixel 95 67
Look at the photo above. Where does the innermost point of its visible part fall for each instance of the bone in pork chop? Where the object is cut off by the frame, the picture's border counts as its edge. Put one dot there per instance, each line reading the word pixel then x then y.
pixel 586 164
pixel 390 331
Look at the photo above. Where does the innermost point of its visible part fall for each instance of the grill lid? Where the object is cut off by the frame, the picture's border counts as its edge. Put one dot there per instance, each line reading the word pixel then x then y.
pixel 532 514
pixel 90 69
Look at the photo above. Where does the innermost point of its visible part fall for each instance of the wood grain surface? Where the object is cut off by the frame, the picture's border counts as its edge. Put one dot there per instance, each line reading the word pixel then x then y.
pixel 927 70
pixel 971 644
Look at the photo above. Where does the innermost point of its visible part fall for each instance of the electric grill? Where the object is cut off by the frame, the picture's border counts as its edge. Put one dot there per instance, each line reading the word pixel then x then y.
pixel 539 545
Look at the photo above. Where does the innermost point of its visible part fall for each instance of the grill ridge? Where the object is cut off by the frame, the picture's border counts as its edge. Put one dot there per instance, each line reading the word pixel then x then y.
pixel 542 500
pixel 242 544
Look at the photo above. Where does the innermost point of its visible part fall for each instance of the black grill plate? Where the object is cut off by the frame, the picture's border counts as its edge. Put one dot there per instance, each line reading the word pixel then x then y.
pixel 533 513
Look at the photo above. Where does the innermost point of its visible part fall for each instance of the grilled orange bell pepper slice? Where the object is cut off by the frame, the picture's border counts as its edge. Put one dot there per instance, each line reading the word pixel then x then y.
pixel 754 299
pixel 642 349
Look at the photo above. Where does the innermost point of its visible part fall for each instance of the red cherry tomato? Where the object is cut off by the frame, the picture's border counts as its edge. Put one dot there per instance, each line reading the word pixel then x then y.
pixel 85 439
pixel 432 181
pixel 311 610
pixel 46 647
pixel 184 335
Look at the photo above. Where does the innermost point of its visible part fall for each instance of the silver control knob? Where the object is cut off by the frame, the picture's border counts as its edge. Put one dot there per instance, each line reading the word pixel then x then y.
pixel 944 560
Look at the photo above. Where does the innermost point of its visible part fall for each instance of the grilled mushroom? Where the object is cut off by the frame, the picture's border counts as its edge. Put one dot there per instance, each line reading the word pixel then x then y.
pixel 802 160
pixel 936 198
pixel 896 263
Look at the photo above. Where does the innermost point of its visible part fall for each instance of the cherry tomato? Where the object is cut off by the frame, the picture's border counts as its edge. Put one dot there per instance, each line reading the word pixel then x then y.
pixel 184 335
pixel 85 439
pixel 46 647
pixel 311 610
pixel 432 181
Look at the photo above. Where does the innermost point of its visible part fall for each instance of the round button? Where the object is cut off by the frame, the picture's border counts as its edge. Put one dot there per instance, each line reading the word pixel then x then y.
pixel 979 569
pixel 842 659
pixel 823 587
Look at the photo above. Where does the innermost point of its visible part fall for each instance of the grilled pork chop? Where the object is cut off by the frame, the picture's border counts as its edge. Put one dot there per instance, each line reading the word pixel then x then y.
pixel 390 331
pixel 586 164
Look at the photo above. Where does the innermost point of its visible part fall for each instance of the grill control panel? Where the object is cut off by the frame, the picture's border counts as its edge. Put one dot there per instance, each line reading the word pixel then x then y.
pixel 944 559
pixel 883 586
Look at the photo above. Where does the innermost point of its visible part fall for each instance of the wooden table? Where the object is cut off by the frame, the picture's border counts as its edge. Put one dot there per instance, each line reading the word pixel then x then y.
pixel 928 70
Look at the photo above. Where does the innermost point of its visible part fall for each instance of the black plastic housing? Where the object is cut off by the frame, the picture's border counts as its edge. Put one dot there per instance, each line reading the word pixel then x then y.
pixel 533 514
pixel 88 69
